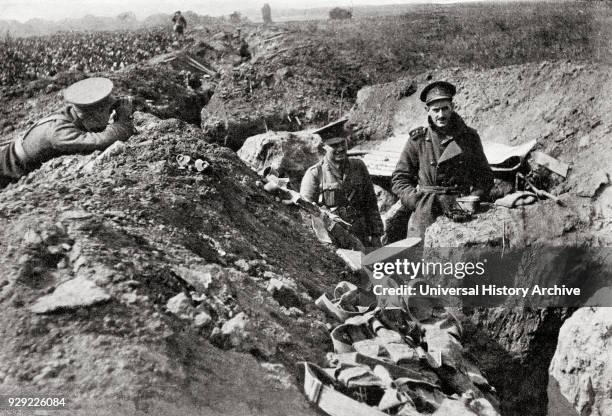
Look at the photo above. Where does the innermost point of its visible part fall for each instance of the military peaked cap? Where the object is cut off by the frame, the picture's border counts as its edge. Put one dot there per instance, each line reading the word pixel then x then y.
pixel 88 92
pixel 334 132
pixel 439 90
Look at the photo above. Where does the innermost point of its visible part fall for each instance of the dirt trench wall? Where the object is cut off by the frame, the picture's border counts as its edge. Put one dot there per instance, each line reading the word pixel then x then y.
pixel 514 345
pixel 518 103
pixel 231 123
pixel 372 116
pixel 514 348
pixel 153 287
pixel 291 82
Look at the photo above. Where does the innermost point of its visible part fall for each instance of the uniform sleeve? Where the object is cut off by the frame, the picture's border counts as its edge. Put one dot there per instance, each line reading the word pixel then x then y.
pixel 309 188
pixel 406 175
pixel 480 170
pixel 68 138
pixel 370 204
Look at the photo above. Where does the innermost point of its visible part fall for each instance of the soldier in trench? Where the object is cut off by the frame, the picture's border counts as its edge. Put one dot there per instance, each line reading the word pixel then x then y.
pixel 343 186
pixel 91 120
pixel 440 162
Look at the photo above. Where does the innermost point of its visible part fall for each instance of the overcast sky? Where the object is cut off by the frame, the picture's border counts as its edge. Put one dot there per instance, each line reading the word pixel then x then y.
pixel 57 9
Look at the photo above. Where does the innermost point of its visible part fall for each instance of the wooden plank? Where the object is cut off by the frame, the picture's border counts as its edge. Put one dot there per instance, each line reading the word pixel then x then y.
pixel 201 67
pixel 388 153
pixel 384 173
pixel 383 158
pixel 551 163
pixel 384 152
pixel 376 165
pixel 381 172
pixel 388 170
pixel 380 162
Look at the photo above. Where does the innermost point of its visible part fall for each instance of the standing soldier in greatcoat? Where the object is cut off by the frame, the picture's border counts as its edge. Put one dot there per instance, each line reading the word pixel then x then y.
pixel 440 162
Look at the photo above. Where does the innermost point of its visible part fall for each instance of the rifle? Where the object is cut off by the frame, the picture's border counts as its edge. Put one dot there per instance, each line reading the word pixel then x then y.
pixel 328 226
pixel 291 197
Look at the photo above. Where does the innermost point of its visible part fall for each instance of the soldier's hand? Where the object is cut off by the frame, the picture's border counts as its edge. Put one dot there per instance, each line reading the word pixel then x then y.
pixel 448 202
pixel 375 241
pixel 123 109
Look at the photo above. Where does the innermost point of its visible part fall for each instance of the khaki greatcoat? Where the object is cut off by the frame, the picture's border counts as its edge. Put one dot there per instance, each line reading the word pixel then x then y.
pixel 454 160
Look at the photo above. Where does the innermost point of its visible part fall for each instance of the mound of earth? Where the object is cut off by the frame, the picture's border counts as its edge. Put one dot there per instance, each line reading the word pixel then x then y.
pixel 291 82
pixel 372 117
pixel 124 291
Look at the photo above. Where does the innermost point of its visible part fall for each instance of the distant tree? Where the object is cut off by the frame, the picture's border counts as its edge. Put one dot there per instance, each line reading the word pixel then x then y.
pixel 127 20
pixel 266 13
pixel 338 13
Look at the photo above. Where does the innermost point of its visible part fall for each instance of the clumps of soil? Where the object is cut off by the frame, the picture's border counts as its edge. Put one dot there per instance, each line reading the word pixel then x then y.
pixel 145 231
pixel 291 82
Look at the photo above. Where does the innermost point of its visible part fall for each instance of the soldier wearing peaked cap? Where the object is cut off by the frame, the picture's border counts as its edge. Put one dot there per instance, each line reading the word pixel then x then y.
pixel 439 162
pixel 90 121
pixel 343 185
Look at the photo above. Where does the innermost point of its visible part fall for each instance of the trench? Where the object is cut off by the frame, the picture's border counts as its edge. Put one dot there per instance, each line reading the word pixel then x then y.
pixel 517 367
pixel 521 378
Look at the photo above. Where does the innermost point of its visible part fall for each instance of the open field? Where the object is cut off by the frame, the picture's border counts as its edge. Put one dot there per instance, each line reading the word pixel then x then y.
pixel 430 37
pixel 482 35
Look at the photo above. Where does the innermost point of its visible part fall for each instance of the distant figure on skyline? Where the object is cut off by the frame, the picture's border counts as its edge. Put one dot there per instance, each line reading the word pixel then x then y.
pixel 440 162
pixel 266 13
pixel 179 24
pixel 235 17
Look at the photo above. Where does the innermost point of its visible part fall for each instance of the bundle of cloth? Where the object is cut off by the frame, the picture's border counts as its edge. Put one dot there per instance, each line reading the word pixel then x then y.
pixel 394 361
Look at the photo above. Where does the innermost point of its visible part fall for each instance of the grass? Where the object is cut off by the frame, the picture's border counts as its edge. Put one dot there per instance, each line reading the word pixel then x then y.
pixel 481 35
pixel 375 49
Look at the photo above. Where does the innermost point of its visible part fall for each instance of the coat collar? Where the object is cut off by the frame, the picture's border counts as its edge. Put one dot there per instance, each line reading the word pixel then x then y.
pixel 447 140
